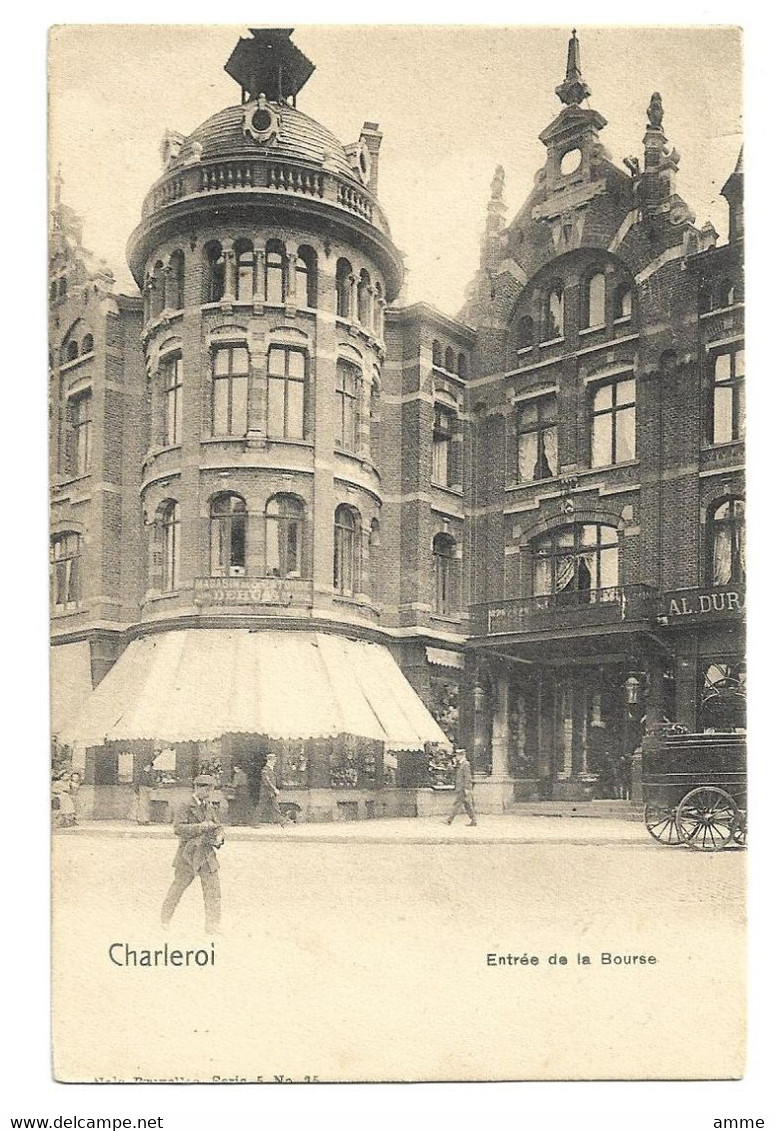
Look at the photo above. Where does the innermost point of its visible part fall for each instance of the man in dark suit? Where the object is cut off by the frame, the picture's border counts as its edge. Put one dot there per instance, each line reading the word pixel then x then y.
pixel 464 789
pixel 199 833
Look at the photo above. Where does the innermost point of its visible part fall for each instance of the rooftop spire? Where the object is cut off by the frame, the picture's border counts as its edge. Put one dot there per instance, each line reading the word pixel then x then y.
pixel 573 90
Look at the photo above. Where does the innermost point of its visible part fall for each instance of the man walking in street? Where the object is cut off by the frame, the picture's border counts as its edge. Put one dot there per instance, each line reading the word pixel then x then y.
pixel 200 834
pixel 464 789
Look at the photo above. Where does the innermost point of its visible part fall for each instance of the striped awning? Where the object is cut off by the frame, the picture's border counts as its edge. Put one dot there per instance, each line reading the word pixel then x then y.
pixel 70 681
pixel 198 684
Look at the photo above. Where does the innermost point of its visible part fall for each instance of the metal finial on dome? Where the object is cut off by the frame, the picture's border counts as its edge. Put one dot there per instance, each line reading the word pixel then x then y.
pixel 573 90
pixel 270 64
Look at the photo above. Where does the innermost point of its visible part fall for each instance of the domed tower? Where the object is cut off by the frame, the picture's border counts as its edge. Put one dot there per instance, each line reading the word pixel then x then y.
pixel 265 263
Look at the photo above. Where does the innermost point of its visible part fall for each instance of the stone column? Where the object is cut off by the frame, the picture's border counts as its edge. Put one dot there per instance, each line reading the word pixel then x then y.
pixel 500 726
pixel 230 272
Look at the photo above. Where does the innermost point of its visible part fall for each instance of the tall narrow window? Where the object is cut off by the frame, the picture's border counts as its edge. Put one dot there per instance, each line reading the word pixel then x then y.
pixel 379 311
pixel 246 271
pixel 65 556
pixel 347 558
pixel 215 273
pixel 343 288
pixel 170 546
pixel 443 430
pixel 536 431
pixel 230 391
pixel 275 273
pixel 555 314
pixel 622 304
pixel 158 295
pixel 177 275
pixel 449 359
pixel 348 379
pixel 613 423
pixel 436 353
pixel 444 564
pixel 172 385
pixel 287 379
pixel 728 396
pixel 284 536
pixel 727 542
pixel 78 442
pixel 228 535
pixel 365 301
pixel 595 301
pixel 306 278
pixel 87 345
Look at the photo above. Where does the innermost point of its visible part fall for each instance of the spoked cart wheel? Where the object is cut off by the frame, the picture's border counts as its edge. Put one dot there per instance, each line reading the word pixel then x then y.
pixel 707 818
pixel 660 822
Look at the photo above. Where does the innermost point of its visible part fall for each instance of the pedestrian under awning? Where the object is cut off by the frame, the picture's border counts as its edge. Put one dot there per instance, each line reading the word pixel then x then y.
pixel 199 684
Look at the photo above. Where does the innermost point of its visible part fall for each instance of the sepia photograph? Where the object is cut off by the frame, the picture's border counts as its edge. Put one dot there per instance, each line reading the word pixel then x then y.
pixel 396 438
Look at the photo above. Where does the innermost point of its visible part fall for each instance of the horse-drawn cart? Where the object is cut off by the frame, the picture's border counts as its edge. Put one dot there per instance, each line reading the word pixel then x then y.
pixel 694 790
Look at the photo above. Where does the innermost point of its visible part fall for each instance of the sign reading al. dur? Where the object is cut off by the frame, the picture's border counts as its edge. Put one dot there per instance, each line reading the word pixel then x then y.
pixel 702 604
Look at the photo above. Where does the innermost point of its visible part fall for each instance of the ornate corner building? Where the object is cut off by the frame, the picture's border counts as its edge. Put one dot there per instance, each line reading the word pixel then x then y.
pixel 290 513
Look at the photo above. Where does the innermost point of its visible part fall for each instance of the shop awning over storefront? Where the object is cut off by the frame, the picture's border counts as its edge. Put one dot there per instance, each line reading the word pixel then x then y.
pixel 70 682
pixel 198 684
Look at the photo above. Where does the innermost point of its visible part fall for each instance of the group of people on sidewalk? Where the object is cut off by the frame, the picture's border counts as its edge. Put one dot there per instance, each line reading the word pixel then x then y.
pixel 253 792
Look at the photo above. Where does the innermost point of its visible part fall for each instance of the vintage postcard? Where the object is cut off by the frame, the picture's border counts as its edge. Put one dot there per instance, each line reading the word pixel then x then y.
pixel 397 553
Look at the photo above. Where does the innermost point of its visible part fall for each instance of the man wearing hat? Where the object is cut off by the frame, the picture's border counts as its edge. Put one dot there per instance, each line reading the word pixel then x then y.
pixel 199 833
pixel 464 788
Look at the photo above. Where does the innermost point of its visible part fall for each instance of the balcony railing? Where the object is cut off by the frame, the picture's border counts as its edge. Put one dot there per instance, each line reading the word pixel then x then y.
pixel 270 176
pixel 568 609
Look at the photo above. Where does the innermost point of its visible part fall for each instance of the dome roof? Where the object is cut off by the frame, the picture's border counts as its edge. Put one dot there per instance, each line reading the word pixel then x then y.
pixel 301 138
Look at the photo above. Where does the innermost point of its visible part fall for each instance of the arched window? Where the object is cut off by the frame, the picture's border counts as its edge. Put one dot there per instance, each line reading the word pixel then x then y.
pixel 347 550
pixel 365 310
pixel 577 564
pixel 437 354
pixel 444 424
pixel 723 695
pixel 71 350
pixel 229 415
pixel 622 304
pixel 379 311
pixel 276 287
pixel 462 365
pixel 87 345
pixel 171 373
pixel 343 286
pixel 728 396
pixel 306 277
pixel 78 434
pixel 726 293
pixel 555 314
pixel 228 535
pixel 726 539
pixel 348 384
pixel 158 294
pixel 287 374
pixel 595 301
pixel 64 570
pixel 169 516
pixel 246 270
pixel 284 536
pixel 176 281
pixel 444 569
pixel 525 332
pixel 215 273
pixel 449 359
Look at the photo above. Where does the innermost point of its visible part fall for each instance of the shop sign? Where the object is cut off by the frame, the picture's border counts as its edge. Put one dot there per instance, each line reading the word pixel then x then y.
pixel 701 603
pixel 278 591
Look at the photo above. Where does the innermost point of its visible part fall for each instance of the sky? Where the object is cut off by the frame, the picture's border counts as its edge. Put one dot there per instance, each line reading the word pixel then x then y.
pixel 452 103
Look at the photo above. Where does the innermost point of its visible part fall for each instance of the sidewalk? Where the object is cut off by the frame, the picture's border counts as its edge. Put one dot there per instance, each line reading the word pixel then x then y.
pixel 506 828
